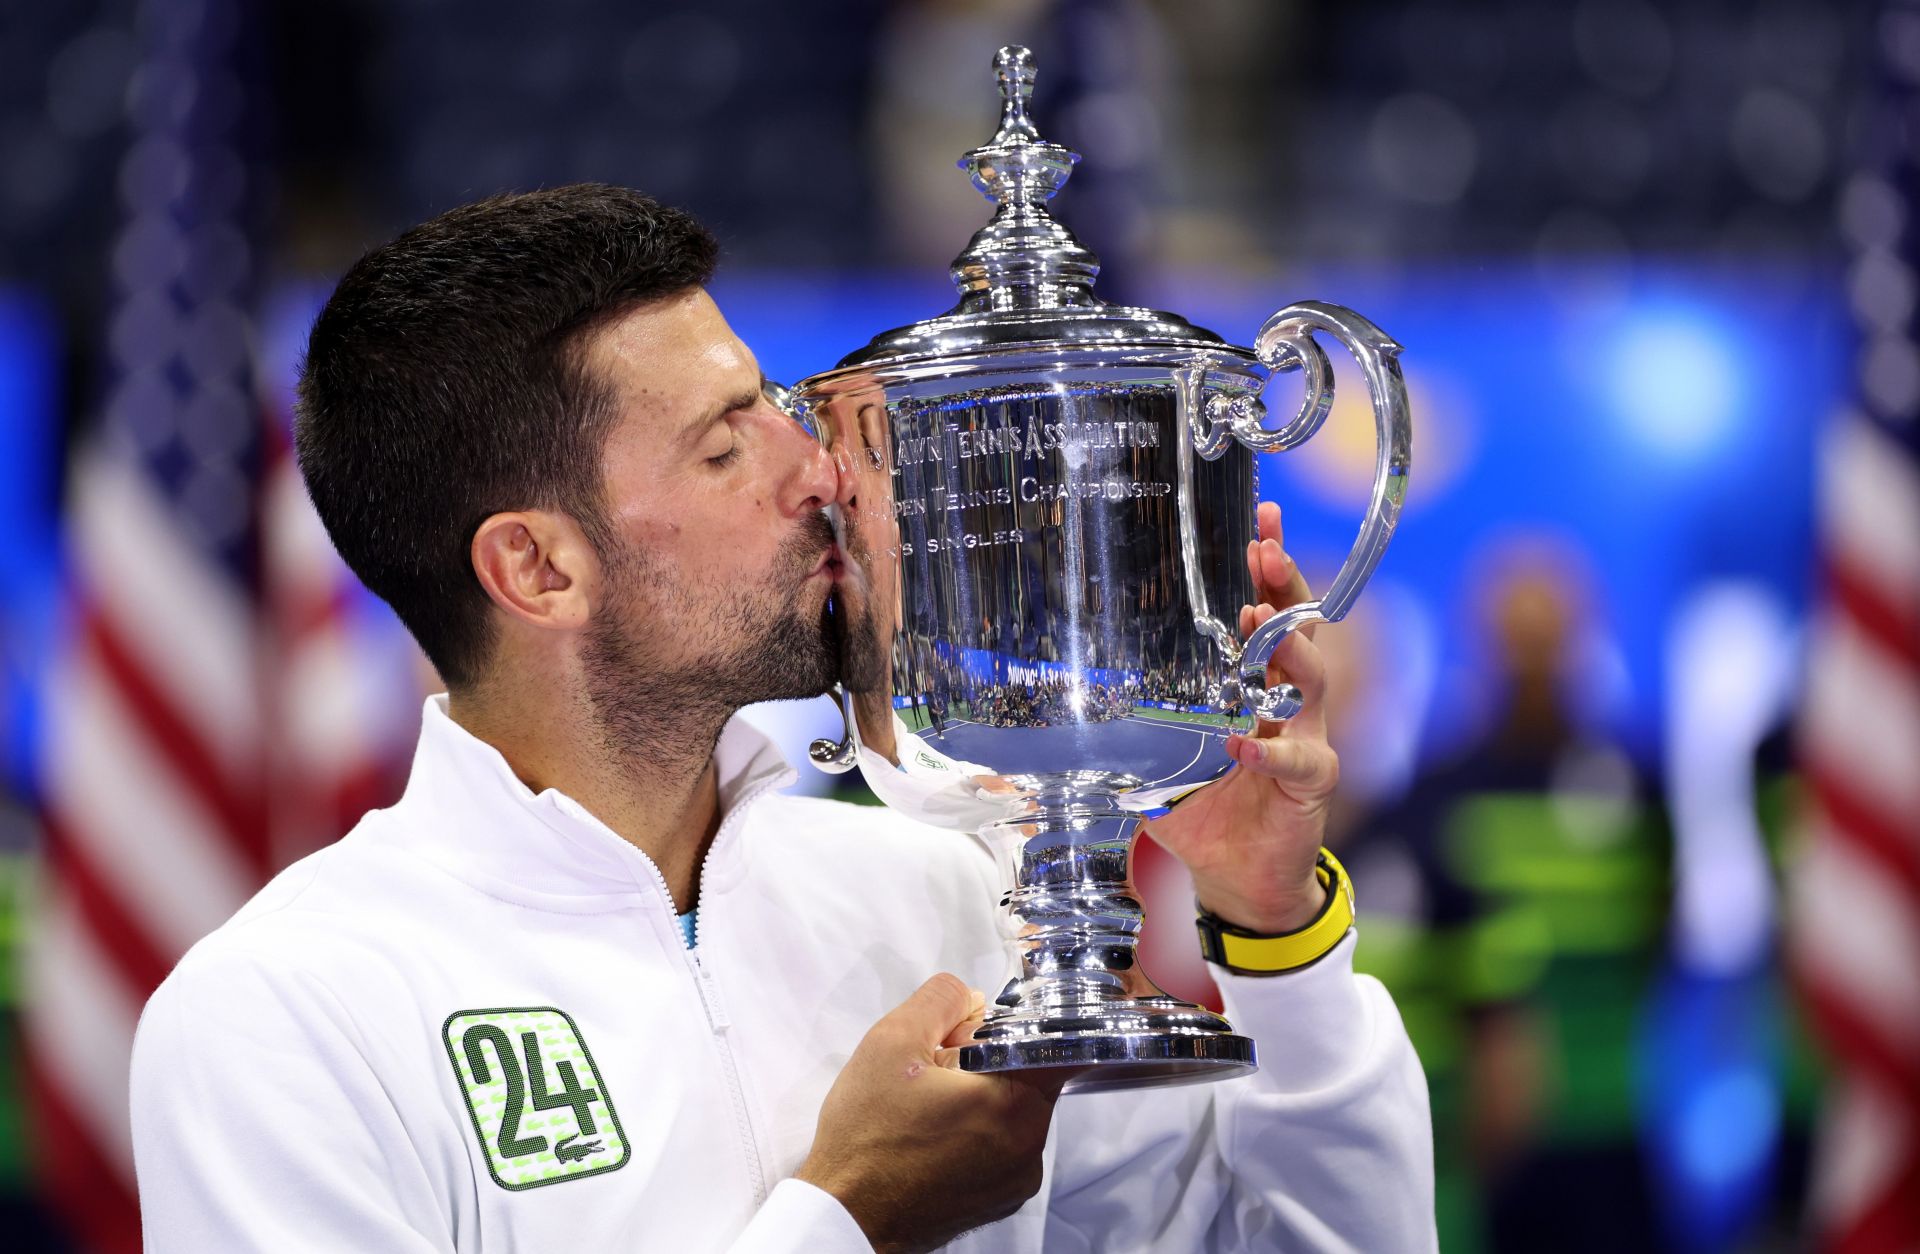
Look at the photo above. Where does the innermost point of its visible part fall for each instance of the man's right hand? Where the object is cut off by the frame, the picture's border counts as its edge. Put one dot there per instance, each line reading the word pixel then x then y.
pixel 917 1150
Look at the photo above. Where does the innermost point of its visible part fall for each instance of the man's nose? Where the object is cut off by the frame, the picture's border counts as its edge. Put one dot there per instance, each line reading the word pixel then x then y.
pixel 815 480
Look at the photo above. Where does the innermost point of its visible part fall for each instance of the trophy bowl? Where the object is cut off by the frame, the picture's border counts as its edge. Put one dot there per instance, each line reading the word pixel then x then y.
pixel 1045 550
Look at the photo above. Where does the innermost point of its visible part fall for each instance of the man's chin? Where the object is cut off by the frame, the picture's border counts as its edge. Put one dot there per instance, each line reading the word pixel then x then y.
pixel 858 654
pixel 794 659
pixel 806 653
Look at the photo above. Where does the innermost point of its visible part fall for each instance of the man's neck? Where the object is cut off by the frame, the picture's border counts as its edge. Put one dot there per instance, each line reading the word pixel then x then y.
pixel 669 810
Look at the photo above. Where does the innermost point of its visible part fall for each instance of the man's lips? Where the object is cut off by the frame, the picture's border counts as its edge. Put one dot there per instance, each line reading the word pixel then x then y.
pixel 832 564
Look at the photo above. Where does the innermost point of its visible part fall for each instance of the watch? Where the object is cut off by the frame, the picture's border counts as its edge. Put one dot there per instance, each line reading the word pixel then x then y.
pixel 1246 952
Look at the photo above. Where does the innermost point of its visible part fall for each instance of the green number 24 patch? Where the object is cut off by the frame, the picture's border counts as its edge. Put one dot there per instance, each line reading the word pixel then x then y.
pixel 539 1105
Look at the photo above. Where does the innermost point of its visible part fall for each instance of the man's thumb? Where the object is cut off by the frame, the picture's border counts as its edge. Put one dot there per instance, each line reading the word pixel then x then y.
pixel 936 1008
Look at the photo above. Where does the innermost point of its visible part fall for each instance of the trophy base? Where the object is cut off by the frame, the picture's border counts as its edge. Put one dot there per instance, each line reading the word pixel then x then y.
pixel 1169 1042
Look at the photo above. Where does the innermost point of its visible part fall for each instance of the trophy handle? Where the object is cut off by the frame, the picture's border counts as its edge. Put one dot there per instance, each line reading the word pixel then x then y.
pixel 1285 344
pixel 836 757
pixel 1209 439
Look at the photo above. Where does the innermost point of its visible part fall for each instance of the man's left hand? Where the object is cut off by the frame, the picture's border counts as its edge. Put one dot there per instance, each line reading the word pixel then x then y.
pixel 1251 838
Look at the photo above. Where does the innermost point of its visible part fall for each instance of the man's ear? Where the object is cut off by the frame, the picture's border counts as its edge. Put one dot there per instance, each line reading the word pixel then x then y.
pixel 535 566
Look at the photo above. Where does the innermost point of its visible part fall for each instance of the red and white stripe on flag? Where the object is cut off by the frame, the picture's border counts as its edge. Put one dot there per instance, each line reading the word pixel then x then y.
pixel 208 722
pixel 200 739
pixel 1856 887
pixel 154 824
pixel 152 773
pixel 1855 891
pixel 346 680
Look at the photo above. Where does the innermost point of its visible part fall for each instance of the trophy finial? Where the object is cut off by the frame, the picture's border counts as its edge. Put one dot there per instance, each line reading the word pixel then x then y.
pixel 1013 66
pixel 1022 259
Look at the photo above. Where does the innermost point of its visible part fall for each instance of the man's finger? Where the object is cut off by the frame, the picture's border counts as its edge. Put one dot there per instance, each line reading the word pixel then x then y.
pixel 1306 768
pixel 933 1010
pixel 1298 661
pixel 1253 617
pixel 1278 569
pixel 1277 579
pixel 1276 574
pixel 963 1031
pixel 1267 521
pixel 1046 1081
pixel 1042 1082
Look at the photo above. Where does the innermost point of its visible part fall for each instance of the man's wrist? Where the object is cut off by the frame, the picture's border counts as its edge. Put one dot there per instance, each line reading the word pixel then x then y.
pixel 1250 951
pixel 1281 910
pixel 836 1186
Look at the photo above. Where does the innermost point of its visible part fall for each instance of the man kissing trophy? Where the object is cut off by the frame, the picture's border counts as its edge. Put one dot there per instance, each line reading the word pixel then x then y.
pixel 1055 498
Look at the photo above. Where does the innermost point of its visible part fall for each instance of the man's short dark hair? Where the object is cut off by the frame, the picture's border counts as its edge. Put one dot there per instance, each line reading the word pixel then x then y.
pixel 444 382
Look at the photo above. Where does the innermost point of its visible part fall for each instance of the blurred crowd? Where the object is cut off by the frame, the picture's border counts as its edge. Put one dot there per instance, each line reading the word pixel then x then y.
pixel 1049 702
pixel 1162 684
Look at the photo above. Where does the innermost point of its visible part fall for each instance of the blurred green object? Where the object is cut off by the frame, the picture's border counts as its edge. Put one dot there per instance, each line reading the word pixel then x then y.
pixel 1591 882
pixel 1571 903
pixel 1417 965
pixel 18 873
pixel 1569 933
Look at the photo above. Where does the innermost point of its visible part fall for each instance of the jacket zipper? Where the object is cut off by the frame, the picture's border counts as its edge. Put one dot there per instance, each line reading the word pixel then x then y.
pixel 717 1019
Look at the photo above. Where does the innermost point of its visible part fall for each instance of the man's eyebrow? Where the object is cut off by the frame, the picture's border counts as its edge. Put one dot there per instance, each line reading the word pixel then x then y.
pixel 744 400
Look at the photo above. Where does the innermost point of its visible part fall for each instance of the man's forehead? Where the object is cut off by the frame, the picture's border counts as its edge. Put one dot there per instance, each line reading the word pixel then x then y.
pixel 678 348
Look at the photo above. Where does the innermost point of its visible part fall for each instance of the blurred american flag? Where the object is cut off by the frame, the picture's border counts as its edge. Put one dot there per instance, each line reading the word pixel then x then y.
pixel 206 724
pixel 1856 932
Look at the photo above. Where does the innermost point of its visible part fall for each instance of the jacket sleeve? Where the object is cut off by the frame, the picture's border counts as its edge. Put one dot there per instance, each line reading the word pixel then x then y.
pixel 1328 1147
pixel 259 1125
pixel 798 1218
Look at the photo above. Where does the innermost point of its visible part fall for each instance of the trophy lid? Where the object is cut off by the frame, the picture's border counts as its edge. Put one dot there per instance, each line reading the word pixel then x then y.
pixel 1024 280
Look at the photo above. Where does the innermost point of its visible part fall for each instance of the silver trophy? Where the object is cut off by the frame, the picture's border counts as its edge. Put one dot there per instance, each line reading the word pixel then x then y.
pixel 1046 554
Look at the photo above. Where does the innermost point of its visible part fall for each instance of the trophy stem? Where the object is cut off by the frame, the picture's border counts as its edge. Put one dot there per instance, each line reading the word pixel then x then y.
pixel 1081 998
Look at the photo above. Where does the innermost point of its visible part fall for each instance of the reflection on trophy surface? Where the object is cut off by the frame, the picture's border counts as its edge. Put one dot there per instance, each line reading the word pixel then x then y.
pixel 854 426
pixel 1052 499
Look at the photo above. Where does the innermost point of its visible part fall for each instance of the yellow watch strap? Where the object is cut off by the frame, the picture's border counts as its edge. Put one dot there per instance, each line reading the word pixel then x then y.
pixel 1240 950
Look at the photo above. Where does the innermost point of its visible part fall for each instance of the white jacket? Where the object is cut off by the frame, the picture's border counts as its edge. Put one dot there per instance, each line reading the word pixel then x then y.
pixel 331 1070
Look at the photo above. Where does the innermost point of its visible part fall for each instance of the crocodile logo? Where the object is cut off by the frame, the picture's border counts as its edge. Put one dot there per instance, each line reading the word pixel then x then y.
pixel 567 1152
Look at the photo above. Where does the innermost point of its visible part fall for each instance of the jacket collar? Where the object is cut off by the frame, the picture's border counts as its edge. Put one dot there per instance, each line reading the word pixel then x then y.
pixel 466 811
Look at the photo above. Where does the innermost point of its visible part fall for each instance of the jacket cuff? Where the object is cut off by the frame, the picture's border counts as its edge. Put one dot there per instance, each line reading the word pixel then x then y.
pixel 800 1218
pixel 1310 1027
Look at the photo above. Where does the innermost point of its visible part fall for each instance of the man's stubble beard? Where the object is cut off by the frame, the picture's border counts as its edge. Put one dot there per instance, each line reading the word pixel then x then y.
pixel 861 654
pixel 666 713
